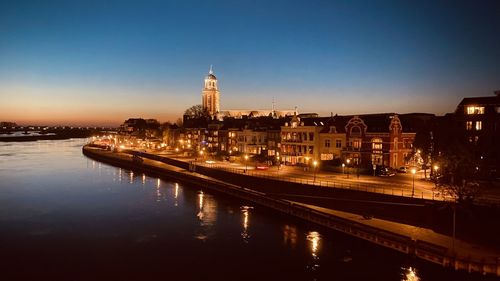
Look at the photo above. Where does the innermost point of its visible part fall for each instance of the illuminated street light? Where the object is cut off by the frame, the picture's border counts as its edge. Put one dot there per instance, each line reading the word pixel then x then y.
pixel 246 163
pixel 278 160
pixel 348 161
pixel 413 171
pixel 315 164
pixel 343 167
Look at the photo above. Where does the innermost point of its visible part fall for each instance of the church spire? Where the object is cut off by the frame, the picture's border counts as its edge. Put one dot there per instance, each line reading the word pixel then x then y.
pixel 210 71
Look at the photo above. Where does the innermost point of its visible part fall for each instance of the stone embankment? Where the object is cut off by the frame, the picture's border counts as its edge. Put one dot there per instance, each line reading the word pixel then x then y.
pixel 419 242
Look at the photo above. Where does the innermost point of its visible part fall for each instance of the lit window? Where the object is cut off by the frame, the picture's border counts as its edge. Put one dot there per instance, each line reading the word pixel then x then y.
pixel 479 125
pixel 468 125
pixel 356 143
pixel 377 144
pixel 475 110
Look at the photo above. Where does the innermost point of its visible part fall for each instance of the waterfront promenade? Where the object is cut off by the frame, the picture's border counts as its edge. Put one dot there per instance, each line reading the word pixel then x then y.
pixel 422 242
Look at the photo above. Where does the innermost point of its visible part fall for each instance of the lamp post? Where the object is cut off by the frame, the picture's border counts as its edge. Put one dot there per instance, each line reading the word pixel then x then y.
pixel 279 163
pixel 413 171
pixel 315 164
pixel 436 168
pixel 246 163
pixel 343 167
pixel 201 156
pixel 348 161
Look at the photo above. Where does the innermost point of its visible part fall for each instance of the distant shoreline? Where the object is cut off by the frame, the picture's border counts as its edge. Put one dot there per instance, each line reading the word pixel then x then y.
pixel 57 135
pixel 36 138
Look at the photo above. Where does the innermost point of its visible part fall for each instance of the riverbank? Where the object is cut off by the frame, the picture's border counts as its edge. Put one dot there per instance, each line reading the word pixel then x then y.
pixel 407 239
pixel 59 134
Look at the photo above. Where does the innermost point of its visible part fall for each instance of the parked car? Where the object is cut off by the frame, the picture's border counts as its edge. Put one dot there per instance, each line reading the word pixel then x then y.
pixel 402 169
pixel 261 166
pixel 385 172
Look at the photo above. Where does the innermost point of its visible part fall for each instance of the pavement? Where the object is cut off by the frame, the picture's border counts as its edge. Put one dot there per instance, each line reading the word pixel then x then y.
pixel 402 184
pixel 461 248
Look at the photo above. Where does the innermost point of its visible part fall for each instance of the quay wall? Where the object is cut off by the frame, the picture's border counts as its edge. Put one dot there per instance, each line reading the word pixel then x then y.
pixel 401 243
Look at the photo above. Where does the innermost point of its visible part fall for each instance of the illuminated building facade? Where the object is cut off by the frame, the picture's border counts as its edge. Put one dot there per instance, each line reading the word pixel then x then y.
pixel 210 96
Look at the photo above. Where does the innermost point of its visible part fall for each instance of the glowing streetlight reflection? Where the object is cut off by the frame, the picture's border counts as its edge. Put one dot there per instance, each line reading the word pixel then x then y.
pixel 313 237
pixel 410 274
pixel 245 210
pixel 158 193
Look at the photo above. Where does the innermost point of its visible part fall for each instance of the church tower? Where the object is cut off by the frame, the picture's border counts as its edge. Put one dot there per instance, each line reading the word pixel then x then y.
pixel 210 95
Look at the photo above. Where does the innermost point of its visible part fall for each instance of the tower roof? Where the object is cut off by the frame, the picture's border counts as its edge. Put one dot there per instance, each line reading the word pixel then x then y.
pixel 211 74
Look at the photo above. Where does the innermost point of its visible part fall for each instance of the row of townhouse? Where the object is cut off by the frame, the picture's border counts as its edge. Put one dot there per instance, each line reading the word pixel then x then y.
pixel 373 139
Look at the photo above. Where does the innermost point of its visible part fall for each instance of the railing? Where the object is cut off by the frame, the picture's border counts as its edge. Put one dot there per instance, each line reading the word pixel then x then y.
pixel 429 195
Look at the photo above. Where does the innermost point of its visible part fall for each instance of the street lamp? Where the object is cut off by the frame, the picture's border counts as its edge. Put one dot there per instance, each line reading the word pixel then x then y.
pixel 343 167
pixel 201 156
pixel 348 161
pixel 246 163
pixel 279 163
pixel 315 164
pixel 413 171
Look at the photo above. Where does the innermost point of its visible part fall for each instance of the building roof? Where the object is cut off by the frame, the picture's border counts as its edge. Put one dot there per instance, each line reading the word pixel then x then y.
pixel 490 100
pixel 211 76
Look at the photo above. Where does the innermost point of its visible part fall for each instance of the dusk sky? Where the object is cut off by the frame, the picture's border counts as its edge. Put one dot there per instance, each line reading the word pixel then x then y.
pixel 100 62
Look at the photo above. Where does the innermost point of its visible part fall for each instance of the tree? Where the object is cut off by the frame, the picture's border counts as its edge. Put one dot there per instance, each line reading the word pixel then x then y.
pixel 196 111
pixel 458 175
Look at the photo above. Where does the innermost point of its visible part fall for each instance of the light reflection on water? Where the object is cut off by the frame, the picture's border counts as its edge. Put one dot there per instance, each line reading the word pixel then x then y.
pixel 410 274
pixel 48 190
pixel 245 211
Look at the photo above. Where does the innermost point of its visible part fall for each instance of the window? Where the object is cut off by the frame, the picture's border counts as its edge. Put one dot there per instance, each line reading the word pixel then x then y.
pixel 475 110
pixel 479 125
pixel 356 143
pixel 355 131
pixel 327 143
pixel 311 149
pixel 377 144
pixel 468 125
pixel 377 158
pixel 338 143
pixel 311 136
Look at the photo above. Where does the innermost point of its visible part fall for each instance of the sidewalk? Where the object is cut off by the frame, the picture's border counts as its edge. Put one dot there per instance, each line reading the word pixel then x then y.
pixel 462 249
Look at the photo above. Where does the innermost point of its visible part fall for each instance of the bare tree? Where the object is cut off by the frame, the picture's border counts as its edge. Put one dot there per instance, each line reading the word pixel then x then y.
pixel 196 111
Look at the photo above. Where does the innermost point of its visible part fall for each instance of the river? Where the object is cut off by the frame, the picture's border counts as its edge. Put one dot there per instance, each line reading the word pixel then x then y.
pixel 64 216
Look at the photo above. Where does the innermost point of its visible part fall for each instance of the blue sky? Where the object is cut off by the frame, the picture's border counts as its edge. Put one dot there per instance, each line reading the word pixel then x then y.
pixel 100 62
